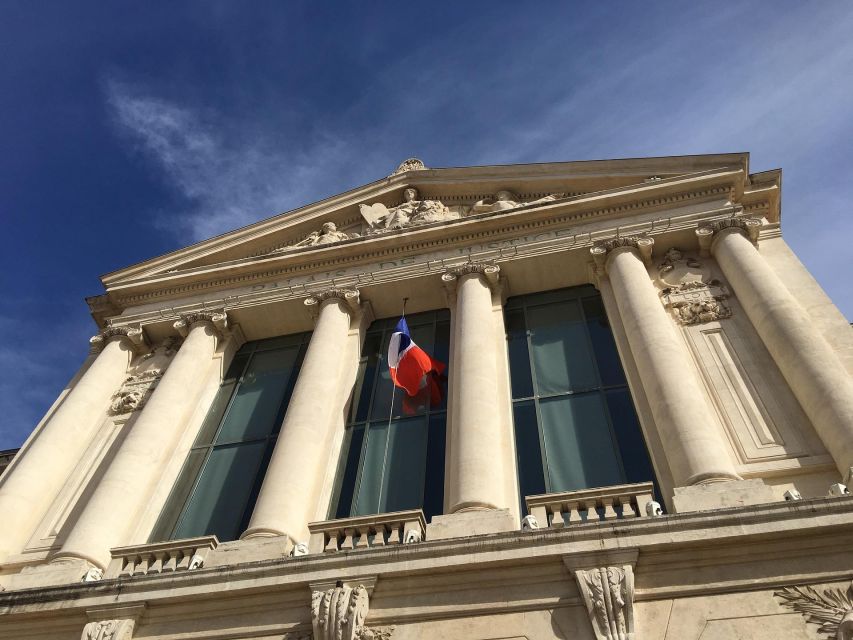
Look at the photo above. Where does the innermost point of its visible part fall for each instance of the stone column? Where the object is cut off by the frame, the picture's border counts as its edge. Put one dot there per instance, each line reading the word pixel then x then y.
pixel 692 437
pixel 476 478
pixel 132 474
pixel 27 491
pixel 813 371
pixel 290 492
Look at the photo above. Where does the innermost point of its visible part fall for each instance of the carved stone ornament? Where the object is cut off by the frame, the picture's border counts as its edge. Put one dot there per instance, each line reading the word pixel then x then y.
pixel 411 164
pixel 491 272
pixel 412 212
pixel 218 318
pixel 706 232
pixel 689 293
pixel 375 633
pixel 93 575
pixel 134 392
pixel 327 234
pixel 832 609
pixel 108 630
pixel 134 334
pixel 339 613
pixel 603 248
pixel 506 200
pixel 350 297
pixel 608 593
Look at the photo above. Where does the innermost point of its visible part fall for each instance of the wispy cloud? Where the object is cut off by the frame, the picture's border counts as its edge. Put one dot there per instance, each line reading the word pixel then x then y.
pixel 229 173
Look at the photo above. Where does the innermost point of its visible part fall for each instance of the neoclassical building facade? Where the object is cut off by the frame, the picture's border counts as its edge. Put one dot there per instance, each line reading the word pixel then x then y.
pixel 644 430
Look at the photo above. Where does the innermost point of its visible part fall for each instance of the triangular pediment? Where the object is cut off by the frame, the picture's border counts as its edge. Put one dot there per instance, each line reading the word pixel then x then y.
pixel 366 212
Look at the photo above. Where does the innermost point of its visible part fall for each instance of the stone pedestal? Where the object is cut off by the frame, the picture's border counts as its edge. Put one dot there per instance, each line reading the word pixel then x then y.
pixel 720 495
pixel 470 523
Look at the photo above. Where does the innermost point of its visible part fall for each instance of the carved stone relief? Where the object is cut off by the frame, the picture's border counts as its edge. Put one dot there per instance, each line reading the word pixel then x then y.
pixel 108 630
pixel 411 164
pixel 832 609
pixel 339 613
pixel 327 234
pixel 506 200
pixel 411 212
pixel 689 292
pixel 138 386
pixel 608 593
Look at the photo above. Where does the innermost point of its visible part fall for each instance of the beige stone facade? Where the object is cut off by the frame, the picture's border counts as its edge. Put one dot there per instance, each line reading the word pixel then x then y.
pixel 739 370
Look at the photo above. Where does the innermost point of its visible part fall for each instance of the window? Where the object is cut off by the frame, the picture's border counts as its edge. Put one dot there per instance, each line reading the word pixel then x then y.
pixel 575 424
pixel 393 460
pixel 219 483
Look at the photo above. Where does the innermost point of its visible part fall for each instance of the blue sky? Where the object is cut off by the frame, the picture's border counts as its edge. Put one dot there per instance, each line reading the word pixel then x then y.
pixel 132 129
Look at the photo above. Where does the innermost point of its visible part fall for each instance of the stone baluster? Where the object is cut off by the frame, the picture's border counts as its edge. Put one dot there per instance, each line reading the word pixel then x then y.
pixel 27 490
pixel 813 371
pixel 291 489
pixel 476 478
pixel 131 476
pixel 692 437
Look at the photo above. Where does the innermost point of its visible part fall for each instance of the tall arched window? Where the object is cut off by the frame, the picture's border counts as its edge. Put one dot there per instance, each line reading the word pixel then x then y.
pixel 219 483
pixel 575 424
pixel 393 460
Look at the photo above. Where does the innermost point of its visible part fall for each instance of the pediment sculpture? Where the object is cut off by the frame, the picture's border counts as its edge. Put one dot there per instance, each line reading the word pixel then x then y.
pixel 689 291
pixel 505 200
pixel 327 234
pixel 410 213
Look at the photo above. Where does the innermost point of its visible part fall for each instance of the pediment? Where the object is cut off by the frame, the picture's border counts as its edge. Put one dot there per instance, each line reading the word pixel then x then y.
pixel 442 196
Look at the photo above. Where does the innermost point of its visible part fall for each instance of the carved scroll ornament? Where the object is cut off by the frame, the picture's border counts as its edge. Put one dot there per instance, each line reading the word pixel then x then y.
pixel 339 613
pixel 133 334
pixel 608 593
pixel 832 609
pixel 218 319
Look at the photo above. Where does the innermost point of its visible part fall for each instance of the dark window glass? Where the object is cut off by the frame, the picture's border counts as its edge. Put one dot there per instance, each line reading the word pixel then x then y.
pixel 393 458
pixel 219 483
pixel 575 424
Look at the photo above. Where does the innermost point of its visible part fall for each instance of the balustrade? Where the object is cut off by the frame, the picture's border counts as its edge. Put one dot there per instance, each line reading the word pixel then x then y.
pixel 618 502
pixel 363 532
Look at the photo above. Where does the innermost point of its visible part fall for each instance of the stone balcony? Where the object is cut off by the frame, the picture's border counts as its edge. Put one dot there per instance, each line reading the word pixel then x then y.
pixel 624 501
pixel 160 557
pixel 363 532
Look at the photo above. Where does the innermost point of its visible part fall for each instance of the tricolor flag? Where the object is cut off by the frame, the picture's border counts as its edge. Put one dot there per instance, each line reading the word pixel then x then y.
pixel 411 367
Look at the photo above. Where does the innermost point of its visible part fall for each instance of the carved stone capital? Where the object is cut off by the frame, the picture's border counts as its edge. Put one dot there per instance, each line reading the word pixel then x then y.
pixel 602 250
pixel 351 299
pixel 490 273
pixel 339 613
pixel 411 164
pixel 135 336
pixel 218 319
pixel 708 231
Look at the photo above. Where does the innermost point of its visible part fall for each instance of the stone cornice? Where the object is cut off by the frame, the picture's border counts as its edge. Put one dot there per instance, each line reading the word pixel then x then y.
pixel 427 237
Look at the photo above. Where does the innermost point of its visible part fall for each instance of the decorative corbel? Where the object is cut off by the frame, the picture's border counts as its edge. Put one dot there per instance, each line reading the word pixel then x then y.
pixel 112 623
pixel 601 250
pixel 351 299
pixel 135 335
pixel 339 612
pixel 606 584
pixel 219 320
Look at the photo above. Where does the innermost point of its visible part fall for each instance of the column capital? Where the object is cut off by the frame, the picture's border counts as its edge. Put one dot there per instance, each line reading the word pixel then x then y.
pixel 708 231
pixel 489 271
pixel 602 250
pixel 134 334
pixel 351 299
pixel 219 320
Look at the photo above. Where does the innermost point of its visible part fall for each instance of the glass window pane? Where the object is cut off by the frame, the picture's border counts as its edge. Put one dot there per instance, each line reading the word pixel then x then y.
pixel 528 450
pixel 372 468
pixel 364 385
pixel 519 356
pixel 561 358
pixel 255 408
pixel 578 444
pixel 434 477
pixel 603 345
pixel 222 491
pixel 405 464
pixel 347 474
pixel 220 402
pixel 629 436
pixel 178 497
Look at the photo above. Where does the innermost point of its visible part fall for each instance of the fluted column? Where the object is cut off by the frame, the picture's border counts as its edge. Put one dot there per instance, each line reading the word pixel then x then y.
pixel 813 371
pixel 688 428
pixel 293 481
pixel 476 478
pixel 131 476
pixel 27 491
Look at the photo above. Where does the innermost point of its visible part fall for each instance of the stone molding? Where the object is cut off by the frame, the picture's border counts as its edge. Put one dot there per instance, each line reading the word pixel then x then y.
pixel 134 334
pixel 602 250
pixel 832 609
pixel 351 299
pixel 607 591
pixel 410 164
pixel 708 231
pixel 339 612
pixel 217 319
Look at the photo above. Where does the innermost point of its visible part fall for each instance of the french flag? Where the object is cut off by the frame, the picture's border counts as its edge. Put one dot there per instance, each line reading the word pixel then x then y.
pixel 411 367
